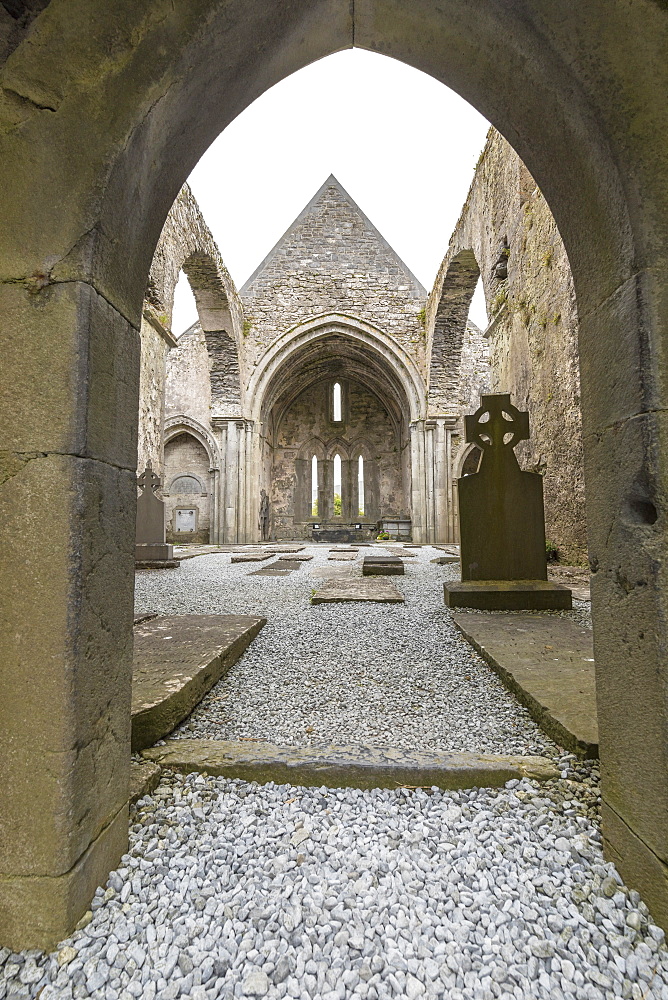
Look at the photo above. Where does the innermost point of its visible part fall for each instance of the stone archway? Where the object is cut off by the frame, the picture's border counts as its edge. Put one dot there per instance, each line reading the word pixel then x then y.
pixel 93 100
pixel 379 378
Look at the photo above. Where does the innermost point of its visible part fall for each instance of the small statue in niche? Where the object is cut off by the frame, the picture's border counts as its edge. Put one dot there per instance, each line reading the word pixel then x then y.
pixel 500 266
pixel 264 516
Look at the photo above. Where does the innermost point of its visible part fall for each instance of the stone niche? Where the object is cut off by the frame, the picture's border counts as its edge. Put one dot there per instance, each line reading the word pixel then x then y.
pixel 186 493
pixel 303 494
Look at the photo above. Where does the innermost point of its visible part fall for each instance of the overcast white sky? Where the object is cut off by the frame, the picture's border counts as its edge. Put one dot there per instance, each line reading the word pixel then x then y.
pixel 403 145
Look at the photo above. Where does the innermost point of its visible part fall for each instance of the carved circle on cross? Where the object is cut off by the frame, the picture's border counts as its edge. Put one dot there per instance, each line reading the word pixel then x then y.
pixel 495 420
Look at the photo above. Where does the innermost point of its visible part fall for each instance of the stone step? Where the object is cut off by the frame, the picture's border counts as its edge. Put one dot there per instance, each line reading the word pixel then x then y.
pixel 346 766
pixel 177 659
pixel 548 663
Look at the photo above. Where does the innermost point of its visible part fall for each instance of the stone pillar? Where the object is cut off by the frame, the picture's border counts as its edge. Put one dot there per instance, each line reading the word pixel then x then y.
pixel 625 431
pixel 214 487
pixel 325 489
pixel 430 495
pixel 69 400
pixel 349 506
pixel 418 481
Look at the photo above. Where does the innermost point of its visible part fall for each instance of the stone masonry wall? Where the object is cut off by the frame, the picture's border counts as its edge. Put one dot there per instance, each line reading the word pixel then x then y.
pixel 333 260
pixel 533 333
pixel 188 384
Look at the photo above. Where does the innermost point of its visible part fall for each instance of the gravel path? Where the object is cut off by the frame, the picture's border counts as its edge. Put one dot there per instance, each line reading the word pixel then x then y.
pixel 399 675
pixel 233 889
pixel 242 890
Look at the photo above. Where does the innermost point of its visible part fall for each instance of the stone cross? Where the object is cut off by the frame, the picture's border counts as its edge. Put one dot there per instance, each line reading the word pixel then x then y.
pixel 501 516
pixel 150 510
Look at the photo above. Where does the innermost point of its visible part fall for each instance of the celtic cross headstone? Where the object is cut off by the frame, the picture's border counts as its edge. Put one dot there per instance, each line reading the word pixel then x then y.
pixel 150 545
pixel 501 518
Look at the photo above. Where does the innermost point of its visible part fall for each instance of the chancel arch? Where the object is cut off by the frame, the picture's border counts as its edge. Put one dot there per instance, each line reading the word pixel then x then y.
pixel 297 410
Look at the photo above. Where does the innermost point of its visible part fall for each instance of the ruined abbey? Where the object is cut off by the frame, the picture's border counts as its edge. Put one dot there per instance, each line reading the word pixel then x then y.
pixel 262 769
pixel 336 383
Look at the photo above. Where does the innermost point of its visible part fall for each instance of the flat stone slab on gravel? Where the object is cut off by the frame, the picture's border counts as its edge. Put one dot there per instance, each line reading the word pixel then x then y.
pixel 177 659
pixel 275 569
pixel 242 557
pixel 285 548
pixel 445 560
pixel 144 778
pixel 342 556
pixel 345 572
pixel 548 663
pixel 346 766
pixel 297 557
pixel 358 589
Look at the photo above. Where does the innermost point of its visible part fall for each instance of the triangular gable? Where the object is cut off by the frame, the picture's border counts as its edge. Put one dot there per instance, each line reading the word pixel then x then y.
pixel 290 239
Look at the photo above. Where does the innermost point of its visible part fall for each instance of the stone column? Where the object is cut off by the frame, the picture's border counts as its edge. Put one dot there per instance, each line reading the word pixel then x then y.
pixel 214 486
pixel 349 506
pixel 430 495
pixel 418 481
pixel 325 489
pixel 69 399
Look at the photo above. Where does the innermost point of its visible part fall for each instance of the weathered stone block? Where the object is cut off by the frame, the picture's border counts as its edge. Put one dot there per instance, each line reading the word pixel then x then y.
pixel 507 595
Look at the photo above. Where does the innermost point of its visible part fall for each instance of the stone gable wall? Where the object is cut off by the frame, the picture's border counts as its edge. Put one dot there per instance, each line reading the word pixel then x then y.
pixel 334 261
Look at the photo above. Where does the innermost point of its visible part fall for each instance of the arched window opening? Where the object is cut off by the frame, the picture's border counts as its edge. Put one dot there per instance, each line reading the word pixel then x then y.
pixel 338 501
pixel 314 486
pixel 360 486
pixel 184 310
pixel 478 306
pixel 336 402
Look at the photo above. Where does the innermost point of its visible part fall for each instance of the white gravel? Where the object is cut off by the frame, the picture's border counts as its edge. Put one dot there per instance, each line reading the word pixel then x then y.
pixel 233 889
pixel 398 675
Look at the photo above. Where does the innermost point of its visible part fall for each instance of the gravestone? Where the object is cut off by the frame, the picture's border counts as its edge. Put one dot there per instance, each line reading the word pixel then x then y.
pixel 502 523
pixel 151 550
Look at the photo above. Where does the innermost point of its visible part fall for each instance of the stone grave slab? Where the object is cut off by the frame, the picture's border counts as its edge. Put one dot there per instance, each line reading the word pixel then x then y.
pixel 177 659
pixel 382 566
pixel 358 589
pixel 342 556
pixel 297 557
pixel 242 557
pixel 144 779
pixel 276 569
pixel 285 548
pixel 548 664
pixel 346 766
pixel 346 571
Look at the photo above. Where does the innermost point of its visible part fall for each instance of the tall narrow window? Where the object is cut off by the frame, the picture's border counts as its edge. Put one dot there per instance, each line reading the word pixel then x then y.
pixel 336 402
pixel 338 503
pixel 314 486
pixel 360 486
